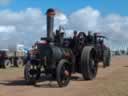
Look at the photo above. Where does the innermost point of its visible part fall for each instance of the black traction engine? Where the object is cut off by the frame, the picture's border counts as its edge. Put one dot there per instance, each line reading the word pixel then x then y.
pixel 56 57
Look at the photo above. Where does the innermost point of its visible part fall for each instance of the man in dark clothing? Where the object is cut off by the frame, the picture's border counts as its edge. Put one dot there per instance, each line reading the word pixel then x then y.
pixel 95 38
pixel 75 34
pixel 89 38
pixel 74 40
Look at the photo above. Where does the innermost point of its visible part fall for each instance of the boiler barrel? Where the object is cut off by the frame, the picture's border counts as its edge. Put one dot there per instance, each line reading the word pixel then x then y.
pixel 59 53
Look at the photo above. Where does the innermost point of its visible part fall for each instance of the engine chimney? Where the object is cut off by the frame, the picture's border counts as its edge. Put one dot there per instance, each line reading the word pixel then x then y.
pixel 50 24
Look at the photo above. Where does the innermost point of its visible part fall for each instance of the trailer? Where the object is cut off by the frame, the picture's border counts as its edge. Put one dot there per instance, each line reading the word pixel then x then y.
pixel 11 58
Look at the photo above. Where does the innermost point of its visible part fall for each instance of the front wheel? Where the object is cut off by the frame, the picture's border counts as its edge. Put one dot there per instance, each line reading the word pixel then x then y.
pixel 63 73
pixel 30 73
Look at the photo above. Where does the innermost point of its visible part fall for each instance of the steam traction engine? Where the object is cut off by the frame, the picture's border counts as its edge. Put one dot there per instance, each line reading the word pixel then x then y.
pixel 103 51
pixel 56 57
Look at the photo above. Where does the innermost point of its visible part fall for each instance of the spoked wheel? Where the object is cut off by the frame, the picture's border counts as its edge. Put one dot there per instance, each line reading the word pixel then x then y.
pixel 63 73
pixel 89 64
pixel 30 73
pixel 20 63
pixel 7 63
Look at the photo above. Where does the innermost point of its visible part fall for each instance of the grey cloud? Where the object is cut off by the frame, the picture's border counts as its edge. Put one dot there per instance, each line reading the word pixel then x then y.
pixel 29 25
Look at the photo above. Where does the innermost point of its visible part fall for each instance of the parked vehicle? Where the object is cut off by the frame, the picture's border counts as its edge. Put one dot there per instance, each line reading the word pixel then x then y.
pixel 11 58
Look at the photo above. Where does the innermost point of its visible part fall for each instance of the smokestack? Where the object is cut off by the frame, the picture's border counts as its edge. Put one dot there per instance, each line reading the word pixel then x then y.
pixel 50 23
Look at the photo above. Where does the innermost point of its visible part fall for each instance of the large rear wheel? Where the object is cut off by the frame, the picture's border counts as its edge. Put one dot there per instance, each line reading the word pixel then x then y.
pixel 107 58
pixel 89 64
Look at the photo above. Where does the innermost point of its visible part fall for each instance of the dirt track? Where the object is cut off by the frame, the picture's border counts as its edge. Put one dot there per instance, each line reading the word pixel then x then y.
pixel 112 81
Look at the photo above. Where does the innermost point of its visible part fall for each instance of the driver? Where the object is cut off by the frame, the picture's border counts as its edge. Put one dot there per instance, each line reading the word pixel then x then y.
pixel 82 37
pixel 74 40
pixel 89 37
pixel 75 34
pixel 95 38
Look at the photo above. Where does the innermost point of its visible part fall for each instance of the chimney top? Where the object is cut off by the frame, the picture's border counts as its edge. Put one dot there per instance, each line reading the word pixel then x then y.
pixel 50 12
